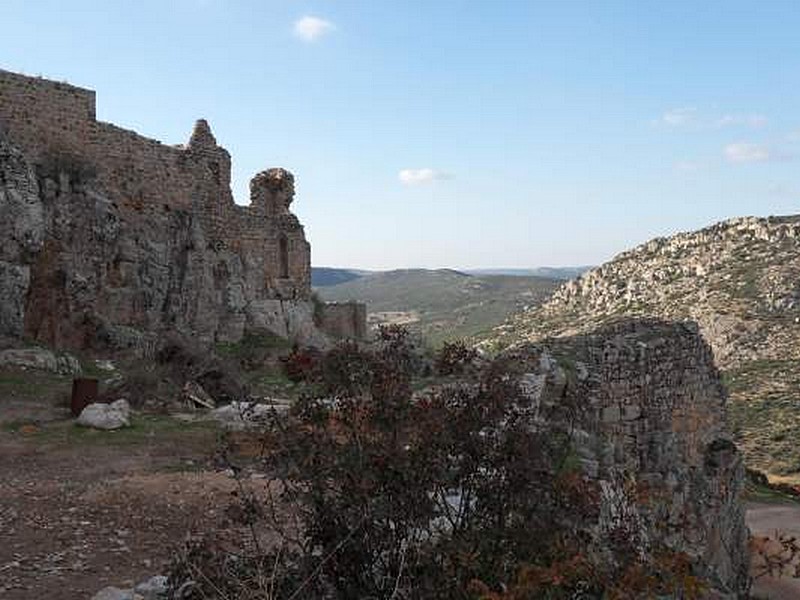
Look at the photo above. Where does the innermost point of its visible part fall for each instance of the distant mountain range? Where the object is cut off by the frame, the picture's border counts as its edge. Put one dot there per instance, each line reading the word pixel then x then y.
pixel 325 276
pixel 440 304
pixel 563 273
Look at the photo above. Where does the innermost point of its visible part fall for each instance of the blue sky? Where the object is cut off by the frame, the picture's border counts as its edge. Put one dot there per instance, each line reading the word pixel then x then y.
pixel 455 133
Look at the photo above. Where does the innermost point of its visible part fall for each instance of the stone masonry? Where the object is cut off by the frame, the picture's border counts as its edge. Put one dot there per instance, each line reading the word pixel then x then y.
pixel 106 235
pixel 651 423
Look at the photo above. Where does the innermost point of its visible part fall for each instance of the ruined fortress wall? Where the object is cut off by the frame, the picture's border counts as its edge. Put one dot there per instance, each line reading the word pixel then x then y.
pixel 168 246
pixel 37 112
pixel 651 416
pixel 345 320
pixel 47 119
pixel 51 121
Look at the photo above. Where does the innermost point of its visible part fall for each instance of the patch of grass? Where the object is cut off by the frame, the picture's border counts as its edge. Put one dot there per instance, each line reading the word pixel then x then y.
pixel 760 493
pixel 758 371
pixel 252 342
pixel 90 369
pixel 143 428
pixel 32 384
pixel 14 426
pixel 274 383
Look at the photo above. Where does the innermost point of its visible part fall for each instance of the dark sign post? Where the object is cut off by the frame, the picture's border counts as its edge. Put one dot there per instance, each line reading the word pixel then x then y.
pixel 84 392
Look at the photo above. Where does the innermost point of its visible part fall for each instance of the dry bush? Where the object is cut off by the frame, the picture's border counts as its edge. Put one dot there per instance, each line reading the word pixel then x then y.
pixel 453 493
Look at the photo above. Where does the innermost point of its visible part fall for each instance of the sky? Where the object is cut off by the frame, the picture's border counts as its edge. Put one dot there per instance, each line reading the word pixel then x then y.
pixel 456 133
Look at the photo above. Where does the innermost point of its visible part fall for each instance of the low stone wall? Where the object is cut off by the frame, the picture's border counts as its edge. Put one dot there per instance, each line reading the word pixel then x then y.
pixel 345 320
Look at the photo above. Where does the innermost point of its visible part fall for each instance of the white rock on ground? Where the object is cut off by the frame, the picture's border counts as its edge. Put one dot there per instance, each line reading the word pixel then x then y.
pixel 154 588
pixel 106 416
pixel 113 593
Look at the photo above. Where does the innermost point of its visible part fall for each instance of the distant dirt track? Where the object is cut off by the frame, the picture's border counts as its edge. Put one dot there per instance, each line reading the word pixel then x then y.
pixel 764 520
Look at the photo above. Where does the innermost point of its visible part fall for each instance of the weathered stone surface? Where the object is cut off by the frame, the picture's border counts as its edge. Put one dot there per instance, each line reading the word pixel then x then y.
pixel 737 279
pixel 106 233
pixel 14 282
pixel 114 593
pixel 652 413
pixel 22 227
pixel 41 359
pixel 345 320
pixel 238 416
pixel 154 588
pixel 106 416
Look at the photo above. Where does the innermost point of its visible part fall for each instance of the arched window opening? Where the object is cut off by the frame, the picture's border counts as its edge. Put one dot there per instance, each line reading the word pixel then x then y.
pixel 283 252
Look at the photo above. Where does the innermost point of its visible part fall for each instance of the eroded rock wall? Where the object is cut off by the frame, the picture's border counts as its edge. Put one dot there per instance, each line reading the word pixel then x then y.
pixel 110 236
pixel 651 417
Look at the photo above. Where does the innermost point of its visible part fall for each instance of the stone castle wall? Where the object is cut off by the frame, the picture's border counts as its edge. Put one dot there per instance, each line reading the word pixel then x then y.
pixel 172 249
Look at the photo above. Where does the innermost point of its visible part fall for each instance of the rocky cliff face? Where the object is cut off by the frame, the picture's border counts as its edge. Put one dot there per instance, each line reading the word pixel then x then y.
pixel 111 236
pixel 651 423
pixel 77 269
pixel 740 281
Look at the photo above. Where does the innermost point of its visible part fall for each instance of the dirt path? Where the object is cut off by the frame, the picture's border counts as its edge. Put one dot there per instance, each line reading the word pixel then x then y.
pixel 764 519
pixel 82 510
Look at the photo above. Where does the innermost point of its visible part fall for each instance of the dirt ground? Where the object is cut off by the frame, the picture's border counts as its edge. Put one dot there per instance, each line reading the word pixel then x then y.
pixel 83 509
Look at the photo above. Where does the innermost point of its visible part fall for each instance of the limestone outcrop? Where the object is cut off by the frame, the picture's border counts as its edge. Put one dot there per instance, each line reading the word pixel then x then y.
pixel 651 422
pixel 738 280
pixel 108 237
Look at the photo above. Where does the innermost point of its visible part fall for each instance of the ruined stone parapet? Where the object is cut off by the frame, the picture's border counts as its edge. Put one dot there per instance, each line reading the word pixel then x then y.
pixel 202 138
pixel 272 191
pixel 651 416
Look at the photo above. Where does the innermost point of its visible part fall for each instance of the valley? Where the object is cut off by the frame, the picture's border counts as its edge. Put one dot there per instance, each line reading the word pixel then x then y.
pixel 441 305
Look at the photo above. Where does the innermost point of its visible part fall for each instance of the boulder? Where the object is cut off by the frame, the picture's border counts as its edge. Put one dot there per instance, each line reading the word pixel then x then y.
pixel 154 588
pixel 41 359
pixel 106 416
pixel 114 593
pixel 237 416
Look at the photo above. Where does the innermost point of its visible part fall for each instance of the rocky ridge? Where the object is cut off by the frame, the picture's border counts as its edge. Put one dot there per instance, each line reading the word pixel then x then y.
pixel 740 281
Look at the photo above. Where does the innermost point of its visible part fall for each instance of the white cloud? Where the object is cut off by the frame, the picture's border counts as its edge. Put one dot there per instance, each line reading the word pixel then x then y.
pixel 754 121
pixel 691 117
pixel 745 152
pixel 677 117
pixel 310 29
pixel 421 176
